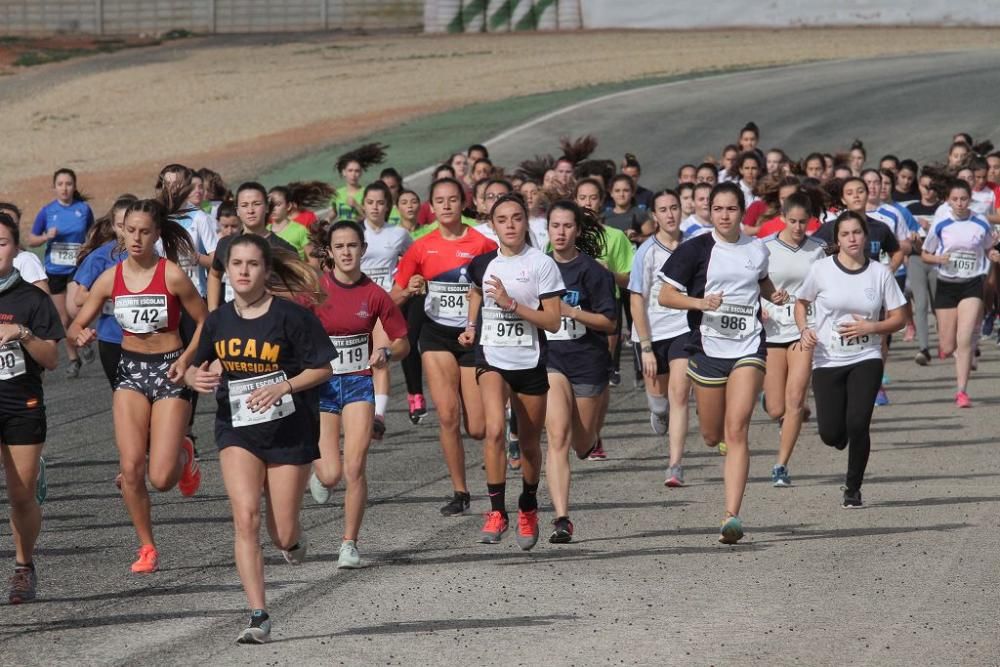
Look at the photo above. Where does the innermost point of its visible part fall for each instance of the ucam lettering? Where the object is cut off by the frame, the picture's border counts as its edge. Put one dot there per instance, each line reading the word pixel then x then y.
pixel 237 347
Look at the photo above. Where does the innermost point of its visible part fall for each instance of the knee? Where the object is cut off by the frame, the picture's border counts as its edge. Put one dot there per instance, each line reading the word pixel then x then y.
pixel 21 498
pixel 495 434
pixel 833 437
pixel 354 472
pixel 327 473
pixel 133 473
pixel 711 436
pixel 284 537
pixel 448 416
pixel 246 522
pixel 162 480
pixel 775 411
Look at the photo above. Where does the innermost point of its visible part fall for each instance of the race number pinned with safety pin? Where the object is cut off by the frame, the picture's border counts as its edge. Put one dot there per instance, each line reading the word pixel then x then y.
pixel 239 394
pixel 963 264
pixel 850 346
pixel 729 320
pixel 11 361
pixel 503 329
pixel 64 254
pixel 141 313
pixel 380 276
pixel 448 300
pixel 352 354
pixel 569 329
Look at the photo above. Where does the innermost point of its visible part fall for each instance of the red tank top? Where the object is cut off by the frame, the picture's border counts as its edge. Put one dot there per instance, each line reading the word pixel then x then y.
pixel 151 309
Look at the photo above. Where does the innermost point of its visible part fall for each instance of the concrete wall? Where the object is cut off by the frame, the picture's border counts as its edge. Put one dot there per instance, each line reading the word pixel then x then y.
pixel 502 15
pixel 111 17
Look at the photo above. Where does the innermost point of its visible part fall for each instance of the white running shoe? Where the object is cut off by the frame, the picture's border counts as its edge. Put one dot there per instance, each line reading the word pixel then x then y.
pixel 320 493
pixel 349 558
pixel 257 632
pixel 297 555
pixel 659 423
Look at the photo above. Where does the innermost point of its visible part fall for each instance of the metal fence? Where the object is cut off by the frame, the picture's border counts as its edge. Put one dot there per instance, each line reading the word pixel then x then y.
pixel 121 17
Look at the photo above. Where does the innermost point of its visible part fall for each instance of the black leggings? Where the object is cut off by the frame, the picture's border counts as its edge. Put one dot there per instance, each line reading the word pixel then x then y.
pixel 413 370
pixel 110 354
pixel 845 400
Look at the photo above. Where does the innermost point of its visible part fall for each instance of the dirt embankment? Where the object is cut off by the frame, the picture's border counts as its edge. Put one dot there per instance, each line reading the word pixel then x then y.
pixel 240 108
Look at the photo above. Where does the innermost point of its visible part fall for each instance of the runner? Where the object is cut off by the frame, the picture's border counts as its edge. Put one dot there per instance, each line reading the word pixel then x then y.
pixel 630 167
pixel 439 260
pixel 29 337
pixel 856 157
pixel 922 277
pixel 578 359
pixel 26 262
pixel 813 166
pixel 707 173
pixel 959 247
pixel 624 214
pixel 786 380
pixel 516 291
pixel 346 201
pixel 354 309
pixel 661 334
pixel 749 166
pixel 686 193
pixel 413 311
pixel 62 226
pixel 150 406
pixel 384 245
pixel 264 358
pixel 699 222
pixel 104 248
pixel 251 206
pixel 280 222
pixel 720 278
pixel 228 220
pixel 848 291
pixel 303 196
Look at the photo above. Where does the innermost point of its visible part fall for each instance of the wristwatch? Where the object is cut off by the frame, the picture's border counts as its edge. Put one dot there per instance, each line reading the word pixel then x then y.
pixel 647 348
pixel 388 354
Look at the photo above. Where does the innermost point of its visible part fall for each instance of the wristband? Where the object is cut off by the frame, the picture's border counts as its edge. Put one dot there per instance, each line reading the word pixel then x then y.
pixel 512 307
pixel 388 354
pixel 290 389
pixel 470 325
pixel 647 349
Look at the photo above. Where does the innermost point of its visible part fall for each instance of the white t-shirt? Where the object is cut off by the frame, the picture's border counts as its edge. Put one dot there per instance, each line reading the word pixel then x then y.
pixel 29 266
pixel 788 267
pixel 693 226
pixel 838 295
pixel 967 242
pixel 205 237
pixel 507 341
pixel 983 202
pixel 645 280
pixel 385 247
pixel 540 228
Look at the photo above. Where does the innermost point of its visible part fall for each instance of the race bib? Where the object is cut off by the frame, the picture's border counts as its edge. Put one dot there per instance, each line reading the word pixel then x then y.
pixel 11 361
pixel 963 263
pixel 228 293
pixel 569 329
pixel 64 254
pixel 352 354
pixel 502 329
pixel 448 300
pixel 842 346
pixel 239 394
pixel 141 313
pixel 381 277
pixel 730 320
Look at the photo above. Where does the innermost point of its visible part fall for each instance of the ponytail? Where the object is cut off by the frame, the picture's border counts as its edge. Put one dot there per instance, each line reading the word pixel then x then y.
pixel 288 274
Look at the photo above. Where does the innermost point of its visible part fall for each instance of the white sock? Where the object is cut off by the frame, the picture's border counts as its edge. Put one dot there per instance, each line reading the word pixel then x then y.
pixel 658 405
pixel 381 403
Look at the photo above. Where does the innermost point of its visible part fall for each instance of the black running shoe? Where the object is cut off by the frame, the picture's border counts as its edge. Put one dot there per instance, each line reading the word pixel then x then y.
pixel 852 500
pixel 615 379
pixel 563 533
pixel 459 504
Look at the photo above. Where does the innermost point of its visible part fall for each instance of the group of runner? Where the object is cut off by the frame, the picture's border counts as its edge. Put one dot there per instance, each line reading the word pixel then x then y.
pixel 749 281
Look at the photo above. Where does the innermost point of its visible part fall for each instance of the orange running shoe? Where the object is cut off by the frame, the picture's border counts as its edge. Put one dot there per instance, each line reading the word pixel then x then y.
pixel 527 529
pixel 191 472
pixel 495 526
pixel 148 560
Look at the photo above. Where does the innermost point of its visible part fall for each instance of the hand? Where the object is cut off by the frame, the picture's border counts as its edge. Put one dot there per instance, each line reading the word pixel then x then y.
pixel 631 234
pixel 779 296
pixel 859 327
pixel 467 338
pixel 649 365
pixel 177 369
pixel 9 332
pixel 378 359
pixel 85 337
pixel 944 259
pixel 496 291
pixel 51 233
pixel 711 301
pixel 808 339
pixel 205 379
pixel 994 256
pixel 266 397
pixel 416 285
pixel 566 310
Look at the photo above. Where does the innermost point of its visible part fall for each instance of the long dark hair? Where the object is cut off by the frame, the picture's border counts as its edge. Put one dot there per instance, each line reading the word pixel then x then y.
pixel 590 231
pixel 77 195
pixel 103 229
pixel 366 156
pixel 165 209
pixel 287 272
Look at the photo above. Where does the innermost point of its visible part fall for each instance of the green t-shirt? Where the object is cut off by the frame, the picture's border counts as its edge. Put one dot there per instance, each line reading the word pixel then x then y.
pixel 618 251
pixel 340 204
pixel 295 234
pixel 394 217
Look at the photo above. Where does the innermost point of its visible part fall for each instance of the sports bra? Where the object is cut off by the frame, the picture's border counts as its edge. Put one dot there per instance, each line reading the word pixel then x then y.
pixel 150 310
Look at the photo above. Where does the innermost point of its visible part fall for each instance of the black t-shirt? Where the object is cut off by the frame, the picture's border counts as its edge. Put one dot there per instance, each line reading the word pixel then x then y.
pixel 21 386
pixel 880 238
pixel 630 219
pixel 591 287
pixel 279 344
pixel 221 250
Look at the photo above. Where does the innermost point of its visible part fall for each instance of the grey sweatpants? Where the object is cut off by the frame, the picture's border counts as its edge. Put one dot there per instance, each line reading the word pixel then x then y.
pixel 923 283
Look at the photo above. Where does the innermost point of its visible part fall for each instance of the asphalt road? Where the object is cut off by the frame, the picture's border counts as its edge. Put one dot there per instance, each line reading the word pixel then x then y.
pixel 910 579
